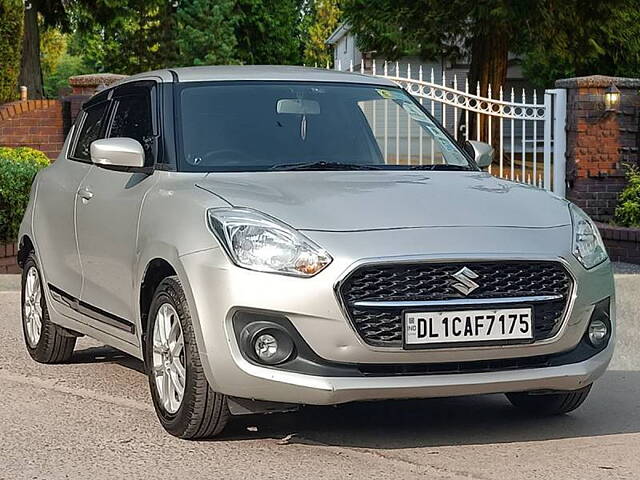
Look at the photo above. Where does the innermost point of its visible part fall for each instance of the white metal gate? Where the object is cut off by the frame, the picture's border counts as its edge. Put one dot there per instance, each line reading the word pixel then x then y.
pixel 531 145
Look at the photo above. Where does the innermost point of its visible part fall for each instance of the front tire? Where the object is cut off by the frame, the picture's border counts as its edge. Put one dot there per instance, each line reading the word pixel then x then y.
pixel 45 341
pixel 186 405
pixel 549 404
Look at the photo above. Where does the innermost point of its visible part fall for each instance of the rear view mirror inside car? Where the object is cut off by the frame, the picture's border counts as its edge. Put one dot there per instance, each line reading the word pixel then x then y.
pixel 298 106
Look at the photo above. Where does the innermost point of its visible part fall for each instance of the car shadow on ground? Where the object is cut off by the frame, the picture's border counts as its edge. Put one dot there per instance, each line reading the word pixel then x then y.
pixel 612 408
pixel 106 354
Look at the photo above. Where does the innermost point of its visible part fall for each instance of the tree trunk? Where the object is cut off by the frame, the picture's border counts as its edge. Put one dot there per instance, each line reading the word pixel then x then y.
pixel 30 70
pixel 168 37
pixel 489 61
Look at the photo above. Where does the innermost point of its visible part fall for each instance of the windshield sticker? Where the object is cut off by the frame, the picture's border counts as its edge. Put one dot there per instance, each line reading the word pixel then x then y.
pixel 384 93
pixel 397 95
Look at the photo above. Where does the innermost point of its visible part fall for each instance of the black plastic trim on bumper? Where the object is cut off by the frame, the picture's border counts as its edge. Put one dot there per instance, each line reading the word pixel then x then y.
pixel 306 361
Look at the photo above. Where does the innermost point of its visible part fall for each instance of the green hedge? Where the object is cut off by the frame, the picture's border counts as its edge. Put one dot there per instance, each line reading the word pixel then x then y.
pixel 18 167
pixel 628 209
pixel 11 23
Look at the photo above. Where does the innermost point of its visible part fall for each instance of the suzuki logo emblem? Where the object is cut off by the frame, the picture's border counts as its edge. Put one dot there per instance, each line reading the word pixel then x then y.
pixel 465 283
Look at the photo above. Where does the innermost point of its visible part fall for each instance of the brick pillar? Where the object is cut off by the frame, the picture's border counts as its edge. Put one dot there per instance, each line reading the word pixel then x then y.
pixel 599 143
pixel 82 88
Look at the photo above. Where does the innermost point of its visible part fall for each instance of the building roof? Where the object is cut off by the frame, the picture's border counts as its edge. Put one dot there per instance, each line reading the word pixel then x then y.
pixel 258 72
pixel 342 30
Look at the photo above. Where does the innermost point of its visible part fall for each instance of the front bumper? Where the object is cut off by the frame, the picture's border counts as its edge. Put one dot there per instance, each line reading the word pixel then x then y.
pixel 280 386
pixel 217 290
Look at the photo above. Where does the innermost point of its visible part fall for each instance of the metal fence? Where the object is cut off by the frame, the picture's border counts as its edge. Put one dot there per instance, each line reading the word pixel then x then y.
pixel 530 143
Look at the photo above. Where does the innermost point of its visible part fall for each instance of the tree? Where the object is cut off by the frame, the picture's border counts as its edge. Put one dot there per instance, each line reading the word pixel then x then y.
pixel 324 19
pixel 579 39
pixel 59 14
pixel 51 13
pixel 486 31
pixel 53 45
pixel 555 38
pixel 125 36
pixel 57 64
pixel 206 32
pixel 11 18
pixel 129 36
pixel 266 31
pixel 58 79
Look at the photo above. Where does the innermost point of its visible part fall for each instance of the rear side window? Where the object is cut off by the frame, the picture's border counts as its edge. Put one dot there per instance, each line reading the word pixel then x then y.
pixel 132 119
pixel 90 131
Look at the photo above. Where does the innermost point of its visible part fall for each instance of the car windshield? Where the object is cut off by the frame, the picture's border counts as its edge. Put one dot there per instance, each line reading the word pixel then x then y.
pixel 261 126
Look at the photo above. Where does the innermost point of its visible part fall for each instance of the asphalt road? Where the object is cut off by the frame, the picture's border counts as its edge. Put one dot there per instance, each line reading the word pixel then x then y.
pixel 93 418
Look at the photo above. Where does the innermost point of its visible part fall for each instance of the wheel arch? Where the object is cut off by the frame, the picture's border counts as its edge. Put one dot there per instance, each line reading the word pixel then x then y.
pixel 157 261
pixel 25 247
pixel 156 270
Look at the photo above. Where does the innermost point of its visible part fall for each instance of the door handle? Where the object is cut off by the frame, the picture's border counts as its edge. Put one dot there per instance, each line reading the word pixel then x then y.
pixel 85 194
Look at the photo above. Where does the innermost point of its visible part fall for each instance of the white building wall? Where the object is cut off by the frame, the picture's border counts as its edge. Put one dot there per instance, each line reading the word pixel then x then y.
pixel 345 53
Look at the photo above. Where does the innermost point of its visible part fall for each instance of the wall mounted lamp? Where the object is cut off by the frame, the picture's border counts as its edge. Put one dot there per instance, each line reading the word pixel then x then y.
pixel 612 99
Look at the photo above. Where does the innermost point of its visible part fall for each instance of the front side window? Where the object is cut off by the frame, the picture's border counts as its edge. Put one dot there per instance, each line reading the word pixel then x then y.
pixel 258 126
pixel 90 131
pixel 132 119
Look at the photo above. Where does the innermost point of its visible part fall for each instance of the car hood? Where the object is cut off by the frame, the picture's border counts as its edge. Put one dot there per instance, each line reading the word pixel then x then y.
pixel 379 200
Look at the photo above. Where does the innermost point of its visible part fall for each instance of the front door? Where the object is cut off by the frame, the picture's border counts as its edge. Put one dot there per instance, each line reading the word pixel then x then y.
pixel 108 210
pixel 55 214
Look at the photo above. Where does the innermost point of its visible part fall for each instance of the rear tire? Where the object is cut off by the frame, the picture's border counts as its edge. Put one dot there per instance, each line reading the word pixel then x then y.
pixel 192 410
pixel 45 341
pixel 549 404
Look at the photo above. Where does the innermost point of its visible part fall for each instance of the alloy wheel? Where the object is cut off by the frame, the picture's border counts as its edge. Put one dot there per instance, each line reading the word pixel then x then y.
pixel 168 358
pixel 33 307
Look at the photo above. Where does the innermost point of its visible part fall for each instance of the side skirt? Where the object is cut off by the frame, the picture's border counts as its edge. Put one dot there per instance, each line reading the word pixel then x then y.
pixel 95 313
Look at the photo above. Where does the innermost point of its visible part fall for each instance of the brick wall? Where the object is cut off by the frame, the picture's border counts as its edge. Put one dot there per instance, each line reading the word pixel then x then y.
pixel 623 244
pixel 33 123
pixel 8 262
pixel 599 143
pixel 597 195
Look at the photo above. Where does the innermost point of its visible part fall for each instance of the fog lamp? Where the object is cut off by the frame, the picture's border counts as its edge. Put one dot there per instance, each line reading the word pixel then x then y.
pixel 598 332
pixel 267 342
pixel 265 346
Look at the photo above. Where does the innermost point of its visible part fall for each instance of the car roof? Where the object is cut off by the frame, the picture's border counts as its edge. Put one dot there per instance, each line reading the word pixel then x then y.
pixel 257 73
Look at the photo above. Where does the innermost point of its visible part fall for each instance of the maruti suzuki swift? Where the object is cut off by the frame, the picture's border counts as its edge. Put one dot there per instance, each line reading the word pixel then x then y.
pixel 269 237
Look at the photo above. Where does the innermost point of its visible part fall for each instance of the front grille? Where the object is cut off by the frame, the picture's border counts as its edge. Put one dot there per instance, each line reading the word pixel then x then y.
pixel 433 281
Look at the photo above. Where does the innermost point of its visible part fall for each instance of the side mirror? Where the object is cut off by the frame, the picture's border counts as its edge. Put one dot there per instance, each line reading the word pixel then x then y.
pixel 481 152
pixel 117 152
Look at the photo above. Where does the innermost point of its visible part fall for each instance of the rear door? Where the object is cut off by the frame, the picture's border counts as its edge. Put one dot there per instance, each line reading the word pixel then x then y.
pixel 107 223
pixel 54 223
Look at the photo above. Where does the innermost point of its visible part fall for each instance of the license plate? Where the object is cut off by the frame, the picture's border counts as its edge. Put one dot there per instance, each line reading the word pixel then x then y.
pixel 468 326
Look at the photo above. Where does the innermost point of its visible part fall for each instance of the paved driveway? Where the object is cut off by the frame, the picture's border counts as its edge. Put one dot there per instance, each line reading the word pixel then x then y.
pixel 93 418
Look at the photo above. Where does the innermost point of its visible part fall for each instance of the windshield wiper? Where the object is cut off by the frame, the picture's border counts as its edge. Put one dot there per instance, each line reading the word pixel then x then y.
pixel 439 166
pixel 324 166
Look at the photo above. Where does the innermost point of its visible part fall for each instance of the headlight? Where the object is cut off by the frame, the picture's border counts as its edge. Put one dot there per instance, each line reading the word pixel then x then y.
pixel 588 247
pixel 259 242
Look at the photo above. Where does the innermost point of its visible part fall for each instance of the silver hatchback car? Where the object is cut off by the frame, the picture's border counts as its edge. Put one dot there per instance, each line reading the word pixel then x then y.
pixel 268 237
